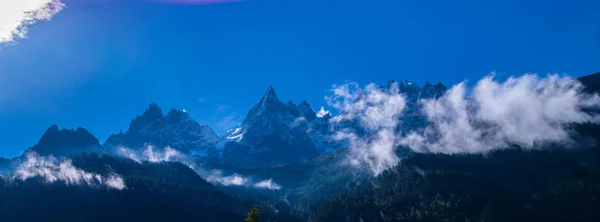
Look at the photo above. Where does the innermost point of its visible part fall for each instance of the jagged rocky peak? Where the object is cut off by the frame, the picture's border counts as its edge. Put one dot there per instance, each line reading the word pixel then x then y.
pixel 428 91
pixel 65 141
pixel 440 89
pixel 414 91
pixel 176 129
pixel 291 103
pixel 306 111
pixel 304 105
pixel 268 105
pixel 427 85
pixel 270 96
pixel 440 86
pixel 152 113
pixel 269 135
pixel 176 115
pixel 410 88
pixel 403 86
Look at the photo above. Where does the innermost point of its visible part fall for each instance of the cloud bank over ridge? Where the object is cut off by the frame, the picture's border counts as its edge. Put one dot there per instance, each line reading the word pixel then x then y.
pixel 527 111
pixel 376 112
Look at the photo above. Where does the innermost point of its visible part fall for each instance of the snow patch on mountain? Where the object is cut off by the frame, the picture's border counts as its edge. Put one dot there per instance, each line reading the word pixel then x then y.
pixel 236 135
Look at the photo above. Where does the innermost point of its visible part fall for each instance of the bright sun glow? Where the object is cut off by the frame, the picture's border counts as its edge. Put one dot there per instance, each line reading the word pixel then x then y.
pixel 16 15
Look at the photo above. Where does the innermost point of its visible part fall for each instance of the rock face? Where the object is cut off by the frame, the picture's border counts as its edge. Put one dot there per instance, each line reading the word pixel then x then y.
pixel 271 134
pixel 65 142
pixel 176 130
pixel 413 118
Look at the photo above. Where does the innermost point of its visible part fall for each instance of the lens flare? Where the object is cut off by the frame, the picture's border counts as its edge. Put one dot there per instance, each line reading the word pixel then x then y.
pixel 198 2
pixel 16 15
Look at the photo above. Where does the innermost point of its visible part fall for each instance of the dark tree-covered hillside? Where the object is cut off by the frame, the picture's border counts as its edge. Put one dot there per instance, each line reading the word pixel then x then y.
pixel 552 184
pixel 155 192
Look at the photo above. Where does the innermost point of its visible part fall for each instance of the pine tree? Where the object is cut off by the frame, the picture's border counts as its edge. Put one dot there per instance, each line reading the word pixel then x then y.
pixel 252 216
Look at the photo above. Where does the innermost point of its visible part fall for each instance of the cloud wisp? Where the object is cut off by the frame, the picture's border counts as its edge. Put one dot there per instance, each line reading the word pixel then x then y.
pixel 151 154
pixel 17 15
pixel 217 177
pixel 267 184
pixel 52 170
pixel 527 111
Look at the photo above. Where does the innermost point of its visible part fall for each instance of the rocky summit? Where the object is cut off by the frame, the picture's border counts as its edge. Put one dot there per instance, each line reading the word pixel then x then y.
pixel 176 130
pixel 270 134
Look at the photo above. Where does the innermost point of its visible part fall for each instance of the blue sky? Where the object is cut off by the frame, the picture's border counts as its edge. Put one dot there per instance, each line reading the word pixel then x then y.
pixel 97 64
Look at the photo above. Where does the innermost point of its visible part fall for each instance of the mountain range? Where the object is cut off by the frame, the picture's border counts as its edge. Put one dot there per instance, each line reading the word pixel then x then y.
pixel 284 159
pixel 273 132
pixel 176 130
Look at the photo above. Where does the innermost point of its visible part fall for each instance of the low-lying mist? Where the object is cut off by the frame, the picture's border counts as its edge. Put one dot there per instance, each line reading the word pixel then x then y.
pixel 54 170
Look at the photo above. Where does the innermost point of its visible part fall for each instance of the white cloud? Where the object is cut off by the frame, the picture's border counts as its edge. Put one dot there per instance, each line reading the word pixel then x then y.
pixel 167 155
pixel 376 108
pixel 377 111
pixel 527 111
pixel 17 15
pixel 268 184
pixel 150 154
pixel 216 176
pixel 53 170
pixel 322 112
pixel 126 152
pixel 115 181
pixel 298 121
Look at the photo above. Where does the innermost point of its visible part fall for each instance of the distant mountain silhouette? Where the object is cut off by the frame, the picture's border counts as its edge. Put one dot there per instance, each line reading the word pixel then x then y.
pixel 65 142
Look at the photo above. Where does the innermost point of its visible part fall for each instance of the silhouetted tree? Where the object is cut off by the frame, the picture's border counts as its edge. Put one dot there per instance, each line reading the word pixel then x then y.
pixel 252 215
